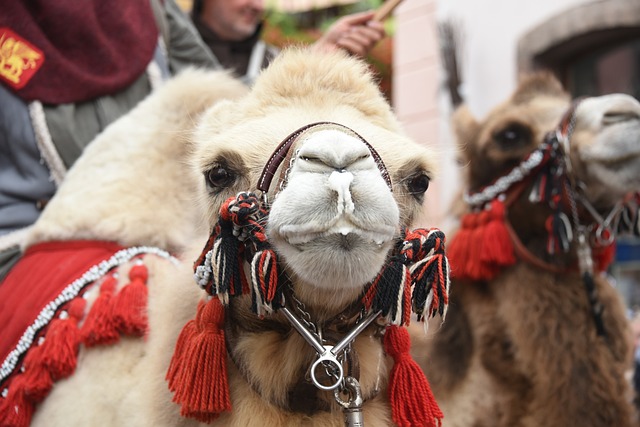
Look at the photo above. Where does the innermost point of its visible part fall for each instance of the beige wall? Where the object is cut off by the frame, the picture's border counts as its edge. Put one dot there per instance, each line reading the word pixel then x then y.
pixel 416 83
pixel 490 31
pixel 416 77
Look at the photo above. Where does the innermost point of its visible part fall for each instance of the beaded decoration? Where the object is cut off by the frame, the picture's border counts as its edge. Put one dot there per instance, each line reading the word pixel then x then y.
pixel 47 350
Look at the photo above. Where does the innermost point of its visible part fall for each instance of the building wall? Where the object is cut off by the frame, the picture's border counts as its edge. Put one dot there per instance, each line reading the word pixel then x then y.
pixel 490 31
pixel 416 76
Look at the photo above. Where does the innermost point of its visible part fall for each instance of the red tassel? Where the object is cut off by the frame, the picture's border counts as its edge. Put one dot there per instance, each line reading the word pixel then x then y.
pixel 465 248
pixel 498 247
pixel 198 370
pixel 130 307
pixel 36 379
pixel 16 409
pixel 476 269
pixel 60 348
pixel 174 373
pixel 458 251
pixel 604 256
pixel 412 402
pixel 99 326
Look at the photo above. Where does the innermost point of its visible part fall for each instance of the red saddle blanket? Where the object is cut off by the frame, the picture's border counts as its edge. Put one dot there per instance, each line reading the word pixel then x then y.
pixel 45 319
pixel 40 276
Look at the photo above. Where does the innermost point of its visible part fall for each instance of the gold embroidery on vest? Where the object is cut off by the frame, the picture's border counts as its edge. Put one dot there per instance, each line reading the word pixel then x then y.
pixel 15 57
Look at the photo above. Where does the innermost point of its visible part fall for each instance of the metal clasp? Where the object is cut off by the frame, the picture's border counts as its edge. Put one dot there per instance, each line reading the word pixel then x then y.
pixel 352 409
pixel 327 355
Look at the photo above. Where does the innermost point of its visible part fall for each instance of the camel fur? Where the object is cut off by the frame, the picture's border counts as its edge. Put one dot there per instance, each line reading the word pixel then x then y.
pixel 521 349
pixel 158 177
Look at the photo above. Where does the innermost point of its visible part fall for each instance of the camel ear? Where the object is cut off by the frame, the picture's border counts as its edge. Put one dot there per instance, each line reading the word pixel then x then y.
pixel 465 128
pixel 533 85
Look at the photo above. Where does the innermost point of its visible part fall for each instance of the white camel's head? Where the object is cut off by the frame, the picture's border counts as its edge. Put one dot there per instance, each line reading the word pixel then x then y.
pixel 344 188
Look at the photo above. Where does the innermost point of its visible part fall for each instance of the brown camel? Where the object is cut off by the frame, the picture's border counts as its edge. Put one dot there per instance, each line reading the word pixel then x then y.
pixel 535 334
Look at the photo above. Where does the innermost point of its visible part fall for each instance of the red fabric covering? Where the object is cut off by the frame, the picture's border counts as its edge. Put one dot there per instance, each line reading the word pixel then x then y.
pixel 42 273
pixel 89 48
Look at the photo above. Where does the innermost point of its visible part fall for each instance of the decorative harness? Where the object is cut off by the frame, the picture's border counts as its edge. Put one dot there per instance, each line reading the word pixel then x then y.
pixel 415 277
pixel 487 243
pixel 47 291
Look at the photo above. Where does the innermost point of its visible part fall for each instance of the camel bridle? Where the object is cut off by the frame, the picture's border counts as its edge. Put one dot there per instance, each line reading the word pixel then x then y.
pixel 546 172
pixel 414 278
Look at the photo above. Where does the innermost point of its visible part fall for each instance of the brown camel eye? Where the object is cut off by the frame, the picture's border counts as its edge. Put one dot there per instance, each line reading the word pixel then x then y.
pixel 418 185
pixel 219 177
pixel 514 135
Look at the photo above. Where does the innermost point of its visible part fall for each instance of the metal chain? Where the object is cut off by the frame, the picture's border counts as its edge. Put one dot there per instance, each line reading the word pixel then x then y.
pixel 305 317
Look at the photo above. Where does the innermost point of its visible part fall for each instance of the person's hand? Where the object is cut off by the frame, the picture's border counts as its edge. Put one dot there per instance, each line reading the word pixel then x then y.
pixel 356 33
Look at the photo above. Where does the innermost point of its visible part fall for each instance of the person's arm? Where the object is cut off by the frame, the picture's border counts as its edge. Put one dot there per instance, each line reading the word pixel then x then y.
pixel 185 47
pixel 357 34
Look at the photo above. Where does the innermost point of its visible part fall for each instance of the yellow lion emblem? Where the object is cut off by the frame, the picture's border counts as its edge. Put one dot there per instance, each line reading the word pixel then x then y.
pixel 15 57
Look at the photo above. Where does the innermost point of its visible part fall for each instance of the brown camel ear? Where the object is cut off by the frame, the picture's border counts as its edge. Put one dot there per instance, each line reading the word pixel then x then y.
pixel 535 85
pixel 465 129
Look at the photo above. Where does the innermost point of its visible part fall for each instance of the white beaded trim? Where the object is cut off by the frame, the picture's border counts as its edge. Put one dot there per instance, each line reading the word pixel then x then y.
pixel 503 183
pixel 70 292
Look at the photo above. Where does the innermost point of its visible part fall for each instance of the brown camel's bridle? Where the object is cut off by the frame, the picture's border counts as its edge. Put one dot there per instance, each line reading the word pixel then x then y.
pixel 546 172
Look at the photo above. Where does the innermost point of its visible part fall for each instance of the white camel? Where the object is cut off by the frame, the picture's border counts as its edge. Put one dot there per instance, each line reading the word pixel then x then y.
pixel 300 284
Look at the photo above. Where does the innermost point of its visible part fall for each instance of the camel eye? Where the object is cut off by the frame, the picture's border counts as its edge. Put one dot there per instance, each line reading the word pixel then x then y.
pixel 219 177
pixel 418 185
pixel 513 136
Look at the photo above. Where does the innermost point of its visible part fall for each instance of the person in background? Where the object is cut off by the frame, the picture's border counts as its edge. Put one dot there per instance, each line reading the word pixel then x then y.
pixel 68 69
pixel 232 29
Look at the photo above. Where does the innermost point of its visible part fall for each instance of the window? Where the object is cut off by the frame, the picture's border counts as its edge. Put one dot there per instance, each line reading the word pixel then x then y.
pixel 615 68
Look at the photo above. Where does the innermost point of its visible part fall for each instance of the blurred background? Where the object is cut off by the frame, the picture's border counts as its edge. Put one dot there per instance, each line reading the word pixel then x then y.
pixel 441 52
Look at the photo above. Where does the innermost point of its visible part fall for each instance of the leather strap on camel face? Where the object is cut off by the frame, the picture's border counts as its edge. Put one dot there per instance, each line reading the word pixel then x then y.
pixel 283 154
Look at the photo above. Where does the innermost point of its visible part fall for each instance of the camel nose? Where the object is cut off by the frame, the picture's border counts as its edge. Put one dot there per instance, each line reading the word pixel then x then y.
pixel 333 150
pixel 340 182
pixel 608 110
pixel 619 116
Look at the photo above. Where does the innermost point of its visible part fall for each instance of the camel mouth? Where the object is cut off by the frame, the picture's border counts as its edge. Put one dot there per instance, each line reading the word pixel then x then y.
pixel 339 242
pixel 614 154
pixel 343 234
pixel 342 255
pixel 621 162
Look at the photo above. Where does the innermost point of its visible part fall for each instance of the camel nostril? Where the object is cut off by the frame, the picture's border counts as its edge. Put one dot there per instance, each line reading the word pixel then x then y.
pixel 615 117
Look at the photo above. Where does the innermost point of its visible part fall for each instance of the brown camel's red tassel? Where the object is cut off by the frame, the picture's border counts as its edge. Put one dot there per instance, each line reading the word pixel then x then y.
pixel 99 326
pixel 60 348
pixel 459 247
pixel 604 256
pixel 498 247
pixel 198 370
pixel 412 403
pixel 130 307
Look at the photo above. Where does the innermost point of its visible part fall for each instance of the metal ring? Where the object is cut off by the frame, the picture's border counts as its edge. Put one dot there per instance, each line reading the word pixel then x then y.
pixel 600 236
pixel 328 358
